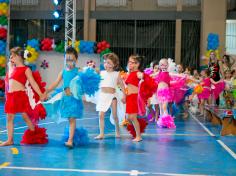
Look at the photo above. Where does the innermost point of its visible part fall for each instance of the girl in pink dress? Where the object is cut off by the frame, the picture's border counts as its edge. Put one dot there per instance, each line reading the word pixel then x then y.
pixel 210 87
pixel 164 95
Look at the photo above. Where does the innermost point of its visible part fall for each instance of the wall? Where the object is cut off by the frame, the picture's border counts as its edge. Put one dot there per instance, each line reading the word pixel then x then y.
pixel 44 5
pixel 142 5
pixel 56 62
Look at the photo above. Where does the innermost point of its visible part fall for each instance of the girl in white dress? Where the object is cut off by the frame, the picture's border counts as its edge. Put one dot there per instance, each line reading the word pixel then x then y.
pixel 107 95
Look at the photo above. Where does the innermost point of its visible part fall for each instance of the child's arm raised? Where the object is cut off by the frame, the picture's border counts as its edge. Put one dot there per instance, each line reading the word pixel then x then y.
pixel 56 83
pixel 33 83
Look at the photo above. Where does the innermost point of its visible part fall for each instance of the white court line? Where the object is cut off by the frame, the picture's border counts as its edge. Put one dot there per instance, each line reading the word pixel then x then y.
pixel 122 135
pixel 27 126
pixel 132 172
pixel 203 126
pixel 50 123
pixel 211 134
pixel 227 148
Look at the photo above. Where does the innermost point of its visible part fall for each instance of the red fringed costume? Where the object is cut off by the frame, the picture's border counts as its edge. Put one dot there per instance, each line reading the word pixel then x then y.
pixel 142 123
pixel 135 103
pixel 17 102
pixel 20 102
pixel 132 99
pixel 38 136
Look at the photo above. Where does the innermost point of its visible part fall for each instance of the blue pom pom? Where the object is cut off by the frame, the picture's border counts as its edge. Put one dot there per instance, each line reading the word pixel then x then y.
pixel 90 81
pixel 80 138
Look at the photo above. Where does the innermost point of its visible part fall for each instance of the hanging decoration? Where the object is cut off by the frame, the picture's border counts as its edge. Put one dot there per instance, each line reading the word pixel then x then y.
pixel 101 46
pixel 213 44
pixel 34 54
pixel 60 47
pixel 44 64
pixel 47 44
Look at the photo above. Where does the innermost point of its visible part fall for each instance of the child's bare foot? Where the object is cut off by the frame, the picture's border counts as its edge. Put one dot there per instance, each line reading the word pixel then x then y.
pixel 137 139
pixel 6 143
pixel 69 144
pixel 99 137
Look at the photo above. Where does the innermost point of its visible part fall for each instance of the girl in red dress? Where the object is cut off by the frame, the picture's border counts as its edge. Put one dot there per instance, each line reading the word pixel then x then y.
pixel 17 100
pixel 132 82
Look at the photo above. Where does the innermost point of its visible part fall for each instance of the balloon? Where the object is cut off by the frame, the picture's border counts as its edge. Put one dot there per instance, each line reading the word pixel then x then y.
pixel 212 41
pixel 106 51
pixel 103 45
pixel 2 60
pixel 34 55
pixel 99 45
pixel 34 43
pixel 46 44
pixel 3 20
pixel 107 45
pixel 2 47
pixel 60 47
pixel 77 43
pixel 86 47
pixel 2 71
pixel 104 42
pixel 3 33
pixel 1 1
pixel 4 9
pixel 216 52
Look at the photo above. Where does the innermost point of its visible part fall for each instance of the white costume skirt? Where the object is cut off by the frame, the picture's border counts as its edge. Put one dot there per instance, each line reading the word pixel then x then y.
pixel 104 101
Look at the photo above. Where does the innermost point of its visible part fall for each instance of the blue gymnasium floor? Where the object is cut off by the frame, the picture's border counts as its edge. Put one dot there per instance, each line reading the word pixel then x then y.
pixel 188 150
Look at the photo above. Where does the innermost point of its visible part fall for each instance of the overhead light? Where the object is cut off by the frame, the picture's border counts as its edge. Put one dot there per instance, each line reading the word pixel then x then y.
pixel 57 2
pixel 56 27
pixel 57 14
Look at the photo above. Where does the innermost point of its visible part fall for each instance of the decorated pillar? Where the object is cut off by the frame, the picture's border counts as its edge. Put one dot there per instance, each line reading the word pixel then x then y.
pixel 213 27
pixel 4 19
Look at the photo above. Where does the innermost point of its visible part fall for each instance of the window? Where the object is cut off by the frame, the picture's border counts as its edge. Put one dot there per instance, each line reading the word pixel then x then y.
pixel 111 3
pixel 231 36
pixel 24 2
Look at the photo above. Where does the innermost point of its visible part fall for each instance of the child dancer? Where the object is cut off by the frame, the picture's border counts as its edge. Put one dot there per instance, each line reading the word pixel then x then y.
pixel 135 67
pixel 153 100
pixel 140 87
pixel 69 105
pixel 206 93
pixel 107 95
pixel 17 100
pixel 164 95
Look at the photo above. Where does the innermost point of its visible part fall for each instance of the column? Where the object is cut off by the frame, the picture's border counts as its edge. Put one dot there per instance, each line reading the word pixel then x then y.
pixel 213 20
pixel 178 32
